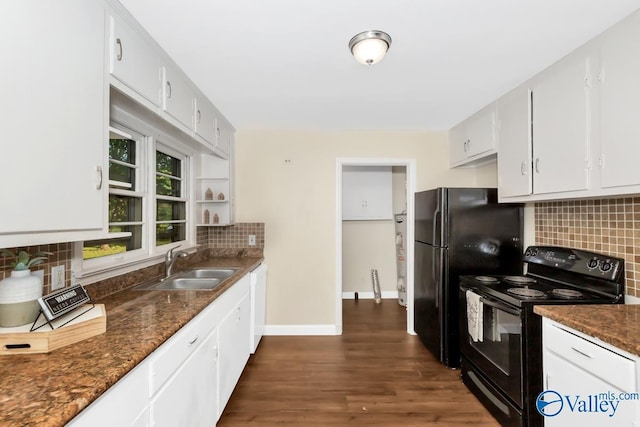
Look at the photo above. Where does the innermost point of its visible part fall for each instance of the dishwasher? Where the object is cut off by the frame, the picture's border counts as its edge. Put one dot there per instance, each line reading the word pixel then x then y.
pixel 258 304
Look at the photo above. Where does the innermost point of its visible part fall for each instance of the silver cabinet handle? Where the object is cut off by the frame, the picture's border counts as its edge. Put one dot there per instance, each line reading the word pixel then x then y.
pixel 168 89
pixel 119 55
pixel 538 165
pixel 198 116
pixel 468 145
pixel 582 353
pixel 523 168
pixel 99 175
pixel 193 341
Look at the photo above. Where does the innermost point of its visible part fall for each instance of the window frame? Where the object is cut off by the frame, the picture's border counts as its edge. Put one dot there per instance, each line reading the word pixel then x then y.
pixel 171 143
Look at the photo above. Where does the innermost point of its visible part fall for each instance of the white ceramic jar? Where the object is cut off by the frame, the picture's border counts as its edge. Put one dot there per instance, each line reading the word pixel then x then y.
pixel 19 295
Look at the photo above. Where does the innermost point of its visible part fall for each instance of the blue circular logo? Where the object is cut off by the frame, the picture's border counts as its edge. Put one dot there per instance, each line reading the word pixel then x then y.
pixel 549 403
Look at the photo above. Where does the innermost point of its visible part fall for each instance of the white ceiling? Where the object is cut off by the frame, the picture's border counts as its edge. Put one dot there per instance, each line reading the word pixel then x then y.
pixel 285 64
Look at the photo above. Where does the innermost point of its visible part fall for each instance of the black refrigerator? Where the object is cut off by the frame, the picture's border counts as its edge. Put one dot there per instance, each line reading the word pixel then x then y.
pixel 458 231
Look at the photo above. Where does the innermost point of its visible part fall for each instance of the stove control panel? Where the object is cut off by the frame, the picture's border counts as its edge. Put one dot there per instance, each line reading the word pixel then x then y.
pixel 576 261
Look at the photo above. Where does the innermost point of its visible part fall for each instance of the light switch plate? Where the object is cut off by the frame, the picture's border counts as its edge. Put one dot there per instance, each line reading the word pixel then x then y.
pixel 252 239
pixel 57 277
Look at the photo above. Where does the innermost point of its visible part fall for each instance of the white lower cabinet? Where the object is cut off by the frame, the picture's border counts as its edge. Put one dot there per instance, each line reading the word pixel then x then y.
pixel 124 404
pixel 234 349
pixel 189 379
pixel 190 397
pixel 587 382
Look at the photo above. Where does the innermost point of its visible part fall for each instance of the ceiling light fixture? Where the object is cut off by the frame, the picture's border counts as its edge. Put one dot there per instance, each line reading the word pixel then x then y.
pixel 370 47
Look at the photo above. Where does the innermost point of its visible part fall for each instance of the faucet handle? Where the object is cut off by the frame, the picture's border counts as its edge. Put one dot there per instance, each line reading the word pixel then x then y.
pixel 170 251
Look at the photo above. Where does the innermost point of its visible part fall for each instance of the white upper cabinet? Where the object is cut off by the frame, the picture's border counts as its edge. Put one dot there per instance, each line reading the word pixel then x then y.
pixel 620 105
pixel 205 119
pixel 514 140
pixel 367 193
pixel 560 116
pixel 178 96
pixel 132 61
pixel 53 110
pixel 224 138
pixel 473 140
pixel 585 127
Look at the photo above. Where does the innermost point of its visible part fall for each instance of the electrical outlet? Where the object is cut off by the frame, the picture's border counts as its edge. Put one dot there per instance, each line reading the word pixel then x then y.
pixel 57 277
pixel 252 239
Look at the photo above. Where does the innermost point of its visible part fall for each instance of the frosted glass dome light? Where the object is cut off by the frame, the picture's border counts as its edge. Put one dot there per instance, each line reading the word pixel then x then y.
pixel 369 47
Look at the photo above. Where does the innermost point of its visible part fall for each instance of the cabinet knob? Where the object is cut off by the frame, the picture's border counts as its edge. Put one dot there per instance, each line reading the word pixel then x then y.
pixel 119 55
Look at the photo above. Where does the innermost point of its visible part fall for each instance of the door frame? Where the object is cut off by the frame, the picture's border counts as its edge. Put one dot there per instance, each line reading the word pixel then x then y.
pixel 410 165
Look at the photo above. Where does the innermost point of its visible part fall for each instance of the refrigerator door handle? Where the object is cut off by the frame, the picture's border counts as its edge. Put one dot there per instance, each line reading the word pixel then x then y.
pixel 436 218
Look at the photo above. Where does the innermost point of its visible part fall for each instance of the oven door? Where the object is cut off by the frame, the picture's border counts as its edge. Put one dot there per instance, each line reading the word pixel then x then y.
pixel 496 351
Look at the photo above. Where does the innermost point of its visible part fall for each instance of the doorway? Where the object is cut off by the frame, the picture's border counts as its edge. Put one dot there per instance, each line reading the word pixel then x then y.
pixel 410 169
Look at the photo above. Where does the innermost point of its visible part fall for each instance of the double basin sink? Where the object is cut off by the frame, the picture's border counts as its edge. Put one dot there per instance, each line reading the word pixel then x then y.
pixel 204 279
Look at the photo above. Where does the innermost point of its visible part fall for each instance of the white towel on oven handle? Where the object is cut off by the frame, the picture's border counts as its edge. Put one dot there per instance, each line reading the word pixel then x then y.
pixel 474 316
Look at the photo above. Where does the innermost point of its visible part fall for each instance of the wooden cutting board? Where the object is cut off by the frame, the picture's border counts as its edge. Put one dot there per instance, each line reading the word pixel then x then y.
pixel 19 340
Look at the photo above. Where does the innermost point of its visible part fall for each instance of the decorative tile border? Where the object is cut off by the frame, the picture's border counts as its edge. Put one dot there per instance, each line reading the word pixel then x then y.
pixel 609 226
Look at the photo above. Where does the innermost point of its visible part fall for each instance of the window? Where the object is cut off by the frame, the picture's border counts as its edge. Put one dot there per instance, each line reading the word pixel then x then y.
pixel 170 200
pixel 148 198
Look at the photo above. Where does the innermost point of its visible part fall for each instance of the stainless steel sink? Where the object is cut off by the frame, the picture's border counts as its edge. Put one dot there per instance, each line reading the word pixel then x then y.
pixel 209 273
pixel 206 279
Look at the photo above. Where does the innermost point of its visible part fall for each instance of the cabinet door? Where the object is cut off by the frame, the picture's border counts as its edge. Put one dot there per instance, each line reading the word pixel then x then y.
pixel 457 144
pixel 620 104
pixel 514 144
pixel 53 110
pixel 224 138
pixel 560 104
pixel 178 97
pixel 367 193
pixel 124 404
pixel 576 385
pixel 480 129
pixel 205 119
pixel 134 62
pixel 190 398
pixel 234 333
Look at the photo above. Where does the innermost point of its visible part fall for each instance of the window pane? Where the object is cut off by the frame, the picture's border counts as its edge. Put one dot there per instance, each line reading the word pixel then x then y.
pixel 100 248
pixel 124 208
pixel 168 165
pixel 168 233
pixel 166 186
pixel 168 210
pixel 123 150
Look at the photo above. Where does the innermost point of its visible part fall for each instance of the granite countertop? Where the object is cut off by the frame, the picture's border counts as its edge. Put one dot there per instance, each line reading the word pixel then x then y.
pixel 50 389
pixel 615 324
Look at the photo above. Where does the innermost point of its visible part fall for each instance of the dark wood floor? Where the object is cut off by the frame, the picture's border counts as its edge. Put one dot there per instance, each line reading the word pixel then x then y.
pixel 374 374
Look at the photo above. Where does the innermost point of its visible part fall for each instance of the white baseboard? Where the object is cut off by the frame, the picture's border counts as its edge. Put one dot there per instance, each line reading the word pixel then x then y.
pixel 300 330
pixel 369 295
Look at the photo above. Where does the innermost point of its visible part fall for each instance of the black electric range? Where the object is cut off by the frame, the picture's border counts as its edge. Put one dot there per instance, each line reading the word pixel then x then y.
pixel 501 350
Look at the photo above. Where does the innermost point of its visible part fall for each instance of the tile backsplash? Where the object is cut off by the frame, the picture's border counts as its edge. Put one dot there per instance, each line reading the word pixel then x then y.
pixel 212 241
pixel 609 226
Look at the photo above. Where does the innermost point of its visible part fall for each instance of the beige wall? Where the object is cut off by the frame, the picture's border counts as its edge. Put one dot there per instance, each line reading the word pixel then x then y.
pixel 288 180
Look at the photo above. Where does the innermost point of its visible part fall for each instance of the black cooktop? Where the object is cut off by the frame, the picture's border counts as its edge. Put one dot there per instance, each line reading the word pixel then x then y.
pixel 531 290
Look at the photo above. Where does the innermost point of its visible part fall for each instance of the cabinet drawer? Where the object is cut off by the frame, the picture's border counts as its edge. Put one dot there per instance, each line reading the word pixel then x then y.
pixel 605 364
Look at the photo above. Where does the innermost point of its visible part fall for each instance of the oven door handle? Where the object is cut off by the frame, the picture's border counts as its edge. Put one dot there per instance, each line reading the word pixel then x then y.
pixel 499 306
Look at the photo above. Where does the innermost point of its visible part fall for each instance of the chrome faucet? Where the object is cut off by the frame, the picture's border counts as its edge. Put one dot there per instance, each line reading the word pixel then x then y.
pixel 170 259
